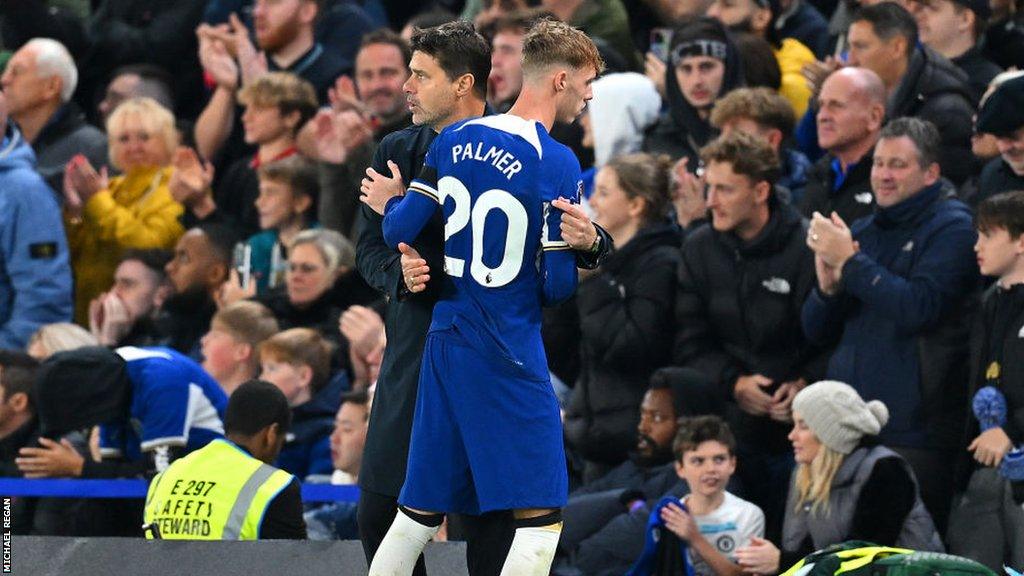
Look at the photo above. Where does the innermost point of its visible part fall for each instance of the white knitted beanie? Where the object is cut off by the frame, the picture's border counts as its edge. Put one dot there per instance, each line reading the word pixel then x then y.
pixel 837 414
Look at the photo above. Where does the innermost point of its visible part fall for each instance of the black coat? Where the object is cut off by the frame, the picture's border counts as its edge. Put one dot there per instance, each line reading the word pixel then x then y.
pixel 680 131
pixel 738 313
pixel 979 69
pixel 1002 311
pixel 626 334
pixel 854 198
pixel 996 177
pixel 934 89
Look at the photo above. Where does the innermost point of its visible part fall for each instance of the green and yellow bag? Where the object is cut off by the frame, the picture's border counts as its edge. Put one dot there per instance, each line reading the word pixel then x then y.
pixel 857 558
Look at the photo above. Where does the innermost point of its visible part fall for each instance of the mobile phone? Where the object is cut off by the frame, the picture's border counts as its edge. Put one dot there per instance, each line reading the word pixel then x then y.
pixel 243 263
pixel 661 39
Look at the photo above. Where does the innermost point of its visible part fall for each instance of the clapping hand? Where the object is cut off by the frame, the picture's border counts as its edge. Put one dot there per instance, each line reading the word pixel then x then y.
pixel 336 134
pixel 82 181
pixel 191 178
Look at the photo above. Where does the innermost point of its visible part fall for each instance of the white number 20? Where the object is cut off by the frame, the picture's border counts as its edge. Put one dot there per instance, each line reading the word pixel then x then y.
pixel 515 236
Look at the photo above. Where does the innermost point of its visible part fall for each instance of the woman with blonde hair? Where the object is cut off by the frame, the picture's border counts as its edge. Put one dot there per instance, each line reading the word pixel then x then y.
pixel 105 216
pixel 58 337
pixel 846 485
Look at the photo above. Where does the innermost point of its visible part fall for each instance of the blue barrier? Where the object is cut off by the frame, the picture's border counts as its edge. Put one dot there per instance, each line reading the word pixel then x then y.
pixel 136 488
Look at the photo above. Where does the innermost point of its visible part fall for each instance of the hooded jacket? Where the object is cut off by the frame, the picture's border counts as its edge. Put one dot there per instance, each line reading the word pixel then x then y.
pixel 680 131
pixel 900 317
pixel 625 105
pixel 35 277
pixel 738 313
pixel 626 334
pixel 934 89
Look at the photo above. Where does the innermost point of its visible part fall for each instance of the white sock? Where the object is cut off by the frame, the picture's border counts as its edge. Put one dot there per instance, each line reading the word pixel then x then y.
pixel 401 547
pixel 532 552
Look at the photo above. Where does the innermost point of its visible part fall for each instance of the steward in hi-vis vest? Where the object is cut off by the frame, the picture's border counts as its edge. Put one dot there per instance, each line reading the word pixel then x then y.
pixel 228 490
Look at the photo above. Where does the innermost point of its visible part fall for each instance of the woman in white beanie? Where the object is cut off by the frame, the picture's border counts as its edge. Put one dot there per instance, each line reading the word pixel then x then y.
pixel 846 485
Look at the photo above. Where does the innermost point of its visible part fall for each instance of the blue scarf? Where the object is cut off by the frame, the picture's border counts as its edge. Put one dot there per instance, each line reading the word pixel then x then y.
pixel 645 564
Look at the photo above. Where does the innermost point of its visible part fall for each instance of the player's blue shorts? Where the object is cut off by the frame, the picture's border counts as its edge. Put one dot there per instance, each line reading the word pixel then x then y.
pixel 487 434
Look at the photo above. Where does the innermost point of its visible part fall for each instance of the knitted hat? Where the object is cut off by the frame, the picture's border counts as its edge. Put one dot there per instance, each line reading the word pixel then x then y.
pixel 838 416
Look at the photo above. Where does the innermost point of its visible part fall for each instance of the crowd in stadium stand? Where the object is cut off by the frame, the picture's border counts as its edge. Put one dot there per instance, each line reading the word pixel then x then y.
pixel 800 243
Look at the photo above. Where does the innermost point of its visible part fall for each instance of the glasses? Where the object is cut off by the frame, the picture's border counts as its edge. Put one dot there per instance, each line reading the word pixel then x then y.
pixel 304 268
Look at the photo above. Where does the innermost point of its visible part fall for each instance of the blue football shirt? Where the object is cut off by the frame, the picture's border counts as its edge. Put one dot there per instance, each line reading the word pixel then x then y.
pixel 495 178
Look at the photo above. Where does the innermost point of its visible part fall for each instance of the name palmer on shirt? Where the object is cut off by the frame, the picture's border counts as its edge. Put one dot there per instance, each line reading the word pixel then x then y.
pixel 504 161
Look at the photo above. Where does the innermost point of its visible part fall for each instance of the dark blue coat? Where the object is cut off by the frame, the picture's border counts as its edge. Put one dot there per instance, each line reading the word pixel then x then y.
pixel 901 319
pixel 307 450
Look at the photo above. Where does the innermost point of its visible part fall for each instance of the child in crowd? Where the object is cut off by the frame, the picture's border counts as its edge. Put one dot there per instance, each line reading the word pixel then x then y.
pixel 988 520
pixel 298 362
pixel 709 523
pixel 230 347
pixel 286 205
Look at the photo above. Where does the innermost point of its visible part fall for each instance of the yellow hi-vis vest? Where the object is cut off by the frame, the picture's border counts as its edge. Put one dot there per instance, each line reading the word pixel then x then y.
pixel 218 492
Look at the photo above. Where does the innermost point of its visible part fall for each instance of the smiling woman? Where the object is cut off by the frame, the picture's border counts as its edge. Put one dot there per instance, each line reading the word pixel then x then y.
pixel 846 486
pixel 105 216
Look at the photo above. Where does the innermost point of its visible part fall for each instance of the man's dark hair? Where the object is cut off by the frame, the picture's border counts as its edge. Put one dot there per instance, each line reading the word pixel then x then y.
pixel 922 133
pixel 388 36
pixel 222 239
pixel 1005 211
pixel 17 374
pixel 699 429
pixel 459 50
pixel 433 17
pixel 157 83
pixel 154 259
pixel 360 397
pixel 254 406
pixel 357 397
pixel 888 20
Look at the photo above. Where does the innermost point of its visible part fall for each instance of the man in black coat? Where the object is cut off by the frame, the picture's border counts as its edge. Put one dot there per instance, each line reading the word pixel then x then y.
pixel 952 28
pixel 919 81
pixel 742 283
pixel 463 55
pixel 1003 115
pixel 851 110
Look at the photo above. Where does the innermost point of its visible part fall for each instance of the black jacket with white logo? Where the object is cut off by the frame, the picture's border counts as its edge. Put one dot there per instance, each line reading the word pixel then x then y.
pixel 738 312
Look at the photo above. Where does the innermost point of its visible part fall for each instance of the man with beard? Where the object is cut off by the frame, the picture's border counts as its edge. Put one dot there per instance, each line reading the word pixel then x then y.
pixel 284 35
pixel 200 266
pixel 604 520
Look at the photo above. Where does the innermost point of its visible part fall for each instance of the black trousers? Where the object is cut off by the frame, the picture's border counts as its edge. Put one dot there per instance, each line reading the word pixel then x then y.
pixel 488 537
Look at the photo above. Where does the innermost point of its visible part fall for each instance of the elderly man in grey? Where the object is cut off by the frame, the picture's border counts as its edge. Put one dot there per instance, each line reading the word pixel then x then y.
pixel 39 82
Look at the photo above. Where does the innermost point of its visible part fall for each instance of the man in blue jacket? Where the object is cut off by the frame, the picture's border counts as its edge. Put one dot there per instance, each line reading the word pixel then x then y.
pixel 35 278
pixel 893 287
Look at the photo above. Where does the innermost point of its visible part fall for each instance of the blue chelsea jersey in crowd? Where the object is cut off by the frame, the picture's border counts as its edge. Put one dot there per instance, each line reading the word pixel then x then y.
pixel 174 403
pixel 495 177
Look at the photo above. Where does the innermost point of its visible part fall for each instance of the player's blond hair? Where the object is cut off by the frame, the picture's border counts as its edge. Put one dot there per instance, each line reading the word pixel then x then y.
pixel 551 42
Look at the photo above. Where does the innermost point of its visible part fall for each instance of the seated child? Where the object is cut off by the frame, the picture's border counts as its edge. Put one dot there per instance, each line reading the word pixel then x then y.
pixel 709 523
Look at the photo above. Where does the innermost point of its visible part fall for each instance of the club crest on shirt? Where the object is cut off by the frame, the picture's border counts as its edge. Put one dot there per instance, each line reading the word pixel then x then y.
pixel 725 544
